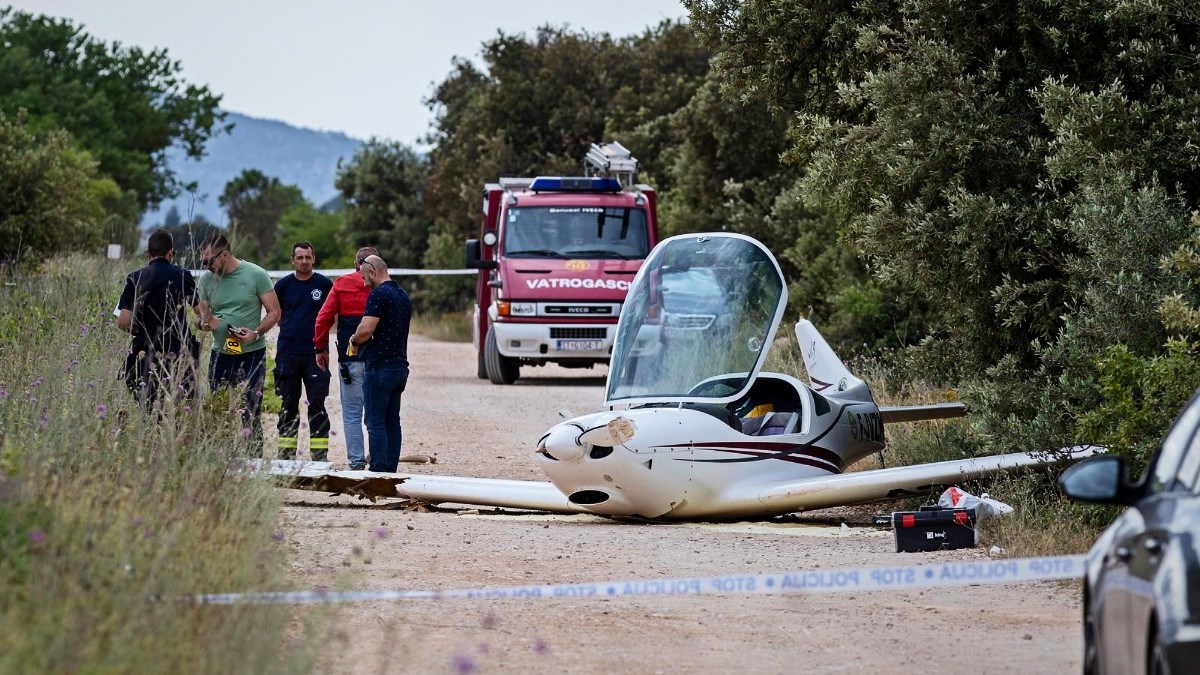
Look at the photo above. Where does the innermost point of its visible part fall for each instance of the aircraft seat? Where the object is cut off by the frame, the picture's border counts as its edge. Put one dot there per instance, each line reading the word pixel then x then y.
pixel 777 423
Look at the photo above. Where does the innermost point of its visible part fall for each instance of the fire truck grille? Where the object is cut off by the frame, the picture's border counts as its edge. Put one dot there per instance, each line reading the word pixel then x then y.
pixel 585 333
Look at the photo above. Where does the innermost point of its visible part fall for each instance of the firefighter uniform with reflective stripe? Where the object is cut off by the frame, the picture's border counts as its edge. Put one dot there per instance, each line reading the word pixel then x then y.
pixel 296 371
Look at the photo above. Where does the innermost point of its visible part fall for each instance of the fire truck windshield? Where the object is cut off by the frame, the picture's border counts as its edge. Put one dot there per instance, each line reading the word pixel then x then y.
pixel 576 232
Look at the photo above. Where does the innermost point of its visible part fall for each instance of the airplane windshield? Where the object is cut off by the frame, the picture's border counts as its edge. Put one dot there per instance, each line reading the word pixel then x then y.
pixel 698 321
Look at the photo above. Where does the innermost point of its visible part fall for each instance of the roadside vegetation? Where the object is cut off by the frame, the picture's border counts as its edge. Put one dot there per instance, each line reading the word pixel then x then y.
pixel 111 518
pixel 995 204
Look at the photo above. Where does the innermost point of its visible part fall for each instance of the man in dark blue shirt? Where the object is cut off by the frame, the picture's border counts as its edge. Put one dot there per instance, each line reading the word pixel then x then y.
pixel 301 295
pixel 382 338
pixel 163 353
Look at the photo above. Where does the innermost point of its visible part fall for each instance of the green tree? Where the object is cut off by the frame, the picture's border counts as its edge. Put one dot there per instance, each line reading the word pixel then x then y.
pixel 124 106
pixel 383 192
pixel 541 101
pixel 51 198
pixel 1023 168
pixel 255 204
pixel 303 222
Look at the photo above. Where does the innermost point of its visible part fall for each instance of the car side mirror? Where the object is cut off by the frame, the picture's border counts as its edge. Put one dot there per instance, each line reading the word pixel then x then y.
pixel 1100 480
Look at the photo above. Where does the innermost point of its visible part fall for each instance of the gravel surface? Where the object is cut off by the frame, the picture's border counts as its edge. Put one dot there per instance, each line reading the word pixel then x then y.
pixel 474 428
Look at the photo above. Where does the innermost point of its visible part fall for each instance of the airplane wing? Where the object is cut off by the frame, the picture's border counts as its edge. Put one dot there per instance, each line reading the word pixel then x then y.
pixel 918 413
pixel 881 484
pixel 514 494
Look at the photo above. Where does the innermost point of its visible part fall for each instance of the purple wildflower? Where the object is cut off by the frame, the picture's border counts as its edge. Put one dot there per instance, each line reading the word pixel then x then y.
pixel 3 394
pixel 101 410
pixel 381 533
pixel 539 646
pixel 463 664
pixel 187 408
pixel 277 536
pixel 245 432
pixel 37 537
pixel 84 330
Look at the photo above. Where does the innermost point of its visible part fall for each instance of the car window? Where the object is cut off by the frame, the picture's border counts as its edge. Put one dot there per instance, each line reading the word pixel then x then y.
pixel 1171 455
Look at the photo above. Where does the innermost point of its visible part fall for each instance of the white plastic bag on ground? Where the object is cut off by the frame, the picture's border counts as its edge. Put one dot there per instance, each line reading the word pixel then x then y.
pixel 985 507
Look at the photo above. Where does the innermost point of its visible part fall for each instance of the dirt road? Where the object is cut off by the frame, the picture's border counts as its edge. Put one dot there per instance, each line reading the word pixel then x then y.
pixel 478 429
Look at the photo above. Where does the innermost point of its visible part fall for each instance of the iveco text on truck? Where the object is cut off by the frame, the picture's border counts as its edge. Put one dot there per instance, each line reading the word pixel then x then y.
pixel 555 258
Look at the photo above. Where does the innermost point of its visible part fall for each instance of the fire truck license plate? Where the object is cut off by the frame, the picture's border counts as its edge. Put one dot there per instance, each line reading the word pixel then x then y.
pixel 580 345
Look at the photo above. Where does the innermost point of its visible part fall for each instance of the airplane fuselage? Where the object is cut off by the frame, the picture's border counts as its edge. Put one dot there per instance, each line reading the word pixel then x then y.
pixel 691 462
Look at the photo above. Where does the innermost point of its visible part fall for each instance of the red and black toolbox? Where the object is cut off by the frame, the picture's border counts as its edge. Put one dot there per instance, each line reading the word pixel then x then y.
pixel 934 529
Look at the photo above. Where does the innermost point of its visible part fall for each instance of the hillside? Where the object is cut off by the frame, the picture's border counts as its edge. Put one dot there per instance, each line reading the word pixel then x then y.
pixel 304 157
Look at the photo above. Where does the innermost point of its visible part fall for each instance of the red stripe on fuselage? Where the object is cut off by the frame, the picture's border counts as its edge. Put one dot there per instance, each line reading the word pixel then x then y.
pixel 786 457
pixel 767 446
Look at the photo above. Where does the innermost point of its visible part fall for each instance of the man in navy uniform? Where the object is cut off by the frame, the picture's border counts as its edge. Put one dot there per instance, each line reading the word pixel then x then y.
pixel 301 295
pixel 163 354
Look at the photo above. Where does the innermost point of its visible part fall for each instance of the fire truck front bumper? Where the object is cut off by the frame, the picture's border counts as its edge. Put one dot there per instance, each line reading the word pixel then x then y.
pixel 554 342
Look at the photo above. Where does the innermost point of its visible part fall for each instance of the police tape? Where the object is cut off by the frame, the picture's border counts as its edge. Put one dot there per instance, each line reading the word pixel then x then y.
pixel 810 581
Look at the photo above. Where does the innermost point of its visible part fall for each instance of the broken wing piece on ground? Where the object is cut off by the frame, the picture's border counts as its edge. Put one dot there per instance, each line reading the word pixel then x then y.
pixel 515 494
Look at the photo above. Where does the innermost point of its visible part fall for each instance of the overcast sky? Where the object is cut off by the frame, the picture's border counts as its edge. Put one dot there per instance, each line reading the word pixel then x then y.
pixel 362 67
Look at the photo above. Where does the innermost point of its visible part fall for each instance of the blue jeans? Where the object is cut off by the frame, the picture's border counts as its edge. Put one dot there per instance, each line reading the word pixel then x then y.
pixel 352 414
pixel 246 373
pixel 382 386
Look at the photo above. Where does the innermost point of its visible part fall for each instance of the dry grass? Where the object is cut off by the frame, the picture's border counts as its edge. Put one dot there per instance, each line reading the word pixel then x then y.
pixel 111 517
pixel 449 327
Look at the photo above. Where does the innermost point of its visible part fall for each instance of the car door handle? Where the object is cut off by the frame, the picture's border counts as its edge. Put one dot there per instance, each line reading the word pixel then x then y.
pixel 1122 553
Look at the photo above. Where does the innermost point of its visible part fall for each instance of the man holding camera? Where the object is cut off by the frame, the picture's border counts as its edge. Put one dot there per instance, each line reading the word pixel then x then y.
pixel 233 296
pixel 345 304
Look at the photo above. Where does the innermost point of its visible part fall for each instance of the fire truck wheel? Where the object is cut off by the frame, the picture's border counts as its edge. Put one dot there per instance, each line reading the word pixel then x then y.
pixel 501 369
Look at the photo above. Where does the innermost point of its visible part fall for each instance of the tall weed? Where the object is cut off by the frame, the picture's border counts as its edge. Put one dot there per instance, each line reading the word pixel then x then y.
pixel 111 517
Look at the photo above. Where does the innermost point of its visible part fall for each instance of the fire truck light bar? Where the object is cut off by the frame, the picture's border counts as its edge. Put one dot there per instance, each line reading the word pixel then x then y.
pixel 560 184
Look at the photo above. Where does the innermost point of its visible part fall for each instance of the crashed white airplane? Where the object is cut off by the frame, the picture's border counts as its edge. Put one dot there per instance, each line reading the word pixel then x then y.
pixel 694 429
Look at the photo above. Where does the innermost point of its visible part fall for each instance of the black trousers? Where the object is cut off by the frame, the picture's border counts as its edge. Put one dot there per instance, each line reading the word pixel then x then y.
pixel 294 373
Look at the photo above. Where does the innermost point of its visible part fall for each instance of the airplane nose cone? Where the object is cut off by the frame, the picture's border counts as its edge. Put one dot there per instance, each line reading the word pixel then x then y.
pixel 562 443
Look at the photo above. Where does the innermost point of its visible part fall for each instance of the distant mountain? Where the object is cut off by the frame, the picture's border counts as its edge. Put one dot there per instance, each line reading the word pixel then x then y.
pixel 303 157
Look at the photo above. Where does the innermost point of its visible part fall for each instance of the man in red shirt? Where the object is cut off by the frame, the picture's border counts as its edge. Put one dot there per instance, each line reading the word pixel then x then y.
pixel 345 304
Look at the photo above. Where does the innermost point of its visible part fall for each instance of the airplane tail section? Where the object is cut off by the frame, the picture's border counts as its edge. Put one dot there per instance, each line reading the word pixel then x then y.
pixel 826 371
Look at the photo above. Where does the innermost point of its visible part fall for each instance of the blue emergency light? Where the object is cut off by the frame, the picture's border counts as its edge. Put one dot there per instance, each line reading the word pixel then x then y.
pixel 575 184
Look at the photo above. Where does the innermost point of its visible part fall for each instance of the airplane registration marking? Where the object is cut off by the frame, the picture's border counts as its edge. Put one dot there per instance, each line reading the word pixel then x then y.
pixel 866 426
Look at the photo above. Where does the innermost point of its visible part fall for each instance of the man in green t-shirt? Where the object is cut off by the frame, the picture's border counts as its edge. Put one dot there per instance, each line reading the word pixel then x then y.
pixel 233 296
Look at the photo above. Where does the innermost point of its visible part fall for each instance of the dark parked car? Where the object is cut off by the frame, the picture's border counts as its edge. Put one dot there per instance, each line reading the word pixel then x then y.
pixel 1141 609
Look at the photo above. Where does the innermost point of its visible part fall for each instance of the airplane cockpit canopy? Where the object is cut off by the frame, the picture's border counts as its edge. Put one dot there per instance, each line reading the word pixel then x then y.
pixel 698 321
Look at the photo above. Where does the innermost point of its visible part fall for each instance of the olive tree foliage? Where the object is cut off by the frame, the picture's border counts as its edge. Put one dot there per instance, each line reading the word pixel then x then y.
pixel 1023 167
pixel 124 105
pixel 383 191
pixel 1181 310
pixel 255 204
pixel 51 197
pixel 538 102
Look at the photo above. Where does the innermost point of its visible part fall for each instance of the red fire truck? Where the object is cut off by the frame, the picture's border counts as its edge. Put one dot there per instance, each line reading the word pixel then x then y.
pixel 555 257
